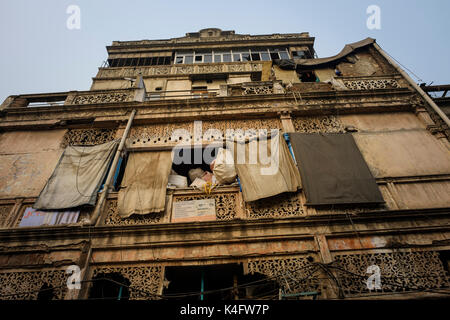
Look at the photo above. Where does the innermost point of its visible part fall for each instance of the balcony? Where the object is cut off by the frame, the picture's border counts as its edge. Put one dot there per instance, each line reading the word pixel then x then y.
pixel 190 69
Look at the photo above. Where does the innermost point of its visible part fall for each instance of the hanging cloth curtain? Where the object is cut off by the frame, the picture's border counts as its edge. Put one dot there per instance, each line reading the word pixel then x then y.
pixel 77 177
pixel 264 166
pixel 144 183
pixel 333 170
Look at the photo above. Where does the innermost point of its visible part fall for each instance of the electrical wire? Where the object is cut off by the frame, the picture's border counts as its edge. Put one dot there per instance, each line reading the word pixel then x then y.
pixel 313 267
pixel 417 77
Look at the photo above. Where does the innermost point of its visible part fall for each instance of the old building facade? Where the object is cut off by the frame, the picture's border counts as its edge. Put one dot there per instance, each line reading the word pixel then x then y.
pixel 278 247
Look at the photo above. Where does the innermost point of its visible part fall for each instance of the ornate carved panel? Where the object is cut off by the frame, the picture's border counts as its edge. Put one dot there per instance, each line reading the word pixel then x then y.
pixel 158 133
pixel 280 206
pixel 103 98
pixel 371 84
pixel 215 68
pixel 145 281
pixel 88 137
pixel 225 203
pixel 113 218
pixel 240 127
pixel 400 271
pixel 162 133
pixel 159 70
pixel 257 90
pixel 294 274
pixel 5 217
pixel 26 285
pixel 321 124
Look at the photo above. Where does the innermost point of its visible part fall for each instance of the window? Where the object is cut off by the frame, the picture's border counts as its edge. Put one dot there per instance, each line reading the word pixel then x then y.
pixel 140 61
pixel 110 286
pixel 284 55
pixel 226 57
pixel 206 282
pixel 207 58
pixel 233 55
pixel 299 54
pixel 200 92
pixel 308 76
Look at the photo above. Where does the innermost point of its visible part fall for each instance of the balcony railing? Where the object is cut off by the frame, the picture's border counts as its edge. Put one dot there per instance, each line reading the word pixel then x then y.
pixel 204 68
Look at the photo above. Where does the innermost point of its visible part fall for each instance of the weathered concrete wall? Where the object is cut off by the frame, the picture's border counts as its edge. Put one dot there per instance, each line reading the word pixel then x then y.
pixel 110 84
pixel 367 62
pixel 152 84
pixel 174 85
pixel 27 159
pixel 286 76
pixel 325 74
pixel 238 79
pixel 216 250
pixel 214 85
pixel 421 195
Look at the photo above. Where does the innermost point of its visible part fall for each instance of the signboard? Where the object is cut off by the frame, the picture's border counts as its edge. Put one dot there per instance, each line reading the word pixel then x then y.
pixel 33 218
pixel 194 210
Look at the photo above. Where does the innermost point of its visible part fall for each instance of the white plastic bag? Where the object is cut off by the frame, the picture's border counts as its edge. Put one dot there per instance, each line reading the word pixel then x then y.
pixel 224 170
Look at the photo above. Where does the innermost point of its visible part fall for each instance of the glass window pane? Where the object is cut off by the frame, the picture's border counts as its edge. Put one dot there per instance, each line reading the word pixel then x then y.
pixel 284 55
pixel 188 59
pixel 265 56
pixel 179 59
pixel 217 58
pixel 236 57
pixel 198 58
pixel 227 57
pixel 207 58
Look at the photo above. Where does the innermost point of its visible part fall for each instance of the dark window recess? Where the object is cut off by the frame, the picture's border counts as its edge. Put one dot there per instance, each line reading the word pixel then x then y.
pixel 299 54
pixel 308 76
pixel 200 92
pixel 187 158
pixel 111 286
pixel 132 62
pixel 46 293
pixel 120 171
pixel 274 55
pixel 255 57
pixel 217 282
pixel 444 256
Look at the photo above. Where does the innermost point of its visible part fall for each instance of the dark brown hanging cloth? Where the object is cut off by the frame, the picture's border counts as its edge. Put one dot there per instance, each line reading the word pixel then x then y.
pixel 333 170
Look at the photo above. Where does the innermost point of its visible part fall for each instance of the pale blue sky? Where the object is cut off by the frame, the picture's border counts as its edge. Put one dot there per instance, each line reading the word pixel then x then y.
pixel 39 54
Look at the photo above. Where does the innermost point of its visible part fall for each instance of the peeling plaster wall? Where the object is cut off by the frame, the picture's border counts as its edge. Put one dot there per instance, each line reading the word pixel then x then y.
pixel 398 145
pixel 366 62
pixel 27 159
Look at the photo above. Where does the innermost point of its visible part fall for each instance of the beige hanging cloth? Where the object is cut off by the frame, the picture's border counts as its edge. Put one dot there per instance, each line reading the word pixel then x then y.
pixel 144 183
pixel 265 167
pixel 77 177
